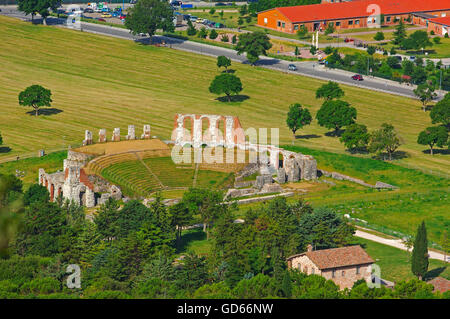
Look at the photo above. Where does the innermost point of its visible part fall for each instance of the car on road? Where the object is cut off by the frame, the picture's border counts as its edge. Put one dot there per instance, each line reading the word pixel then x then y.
pixel 292 67
pixel 357 77
pixel 100 19
pixel 106 15
pixel 220 4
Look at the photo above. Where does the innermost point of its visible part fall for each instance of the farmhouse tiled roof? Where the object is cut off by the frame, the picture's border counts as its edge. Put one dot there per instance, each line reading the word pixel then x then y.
pixel 356 9
pixel 338 257
pixel 443 20
pixel 440 284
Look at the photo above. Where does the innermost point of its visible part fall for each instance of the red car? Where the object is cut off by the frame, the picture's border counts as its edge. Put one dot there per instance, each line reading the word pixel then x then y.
pixel 122 17
pixel 357 77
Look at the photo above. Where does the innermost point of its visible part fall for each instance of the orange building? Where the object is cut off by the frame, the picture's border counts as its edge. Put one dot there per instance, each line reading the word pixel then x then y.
pixel 440 26
pixel 345 15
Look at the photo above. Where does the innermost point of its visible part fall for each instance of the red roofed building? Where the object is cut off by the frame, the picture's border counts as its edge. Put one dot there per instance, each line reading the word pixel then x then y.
pixel 440 26
pixel 344 266
pixel 344 15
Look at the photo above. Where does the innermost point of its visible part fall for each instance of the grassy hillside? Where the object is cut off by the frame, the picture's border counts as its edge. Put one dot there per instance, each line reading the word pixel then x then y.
pixel 100 82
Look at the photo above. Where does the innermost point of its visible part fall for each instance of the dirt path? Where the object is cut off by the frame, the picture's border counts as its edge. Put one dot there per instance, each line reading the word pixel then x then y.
pixel 397 243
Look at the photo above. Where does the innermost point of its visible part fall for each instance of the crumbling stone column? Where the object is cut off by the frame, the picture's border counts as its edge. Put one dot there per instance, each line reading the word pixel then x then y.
pixel 146 132
pixel 116 135
pixel 90 198
pixel 102 135
pixel 131 133
pixel 274 158
pixel 87 138
pixel 281 175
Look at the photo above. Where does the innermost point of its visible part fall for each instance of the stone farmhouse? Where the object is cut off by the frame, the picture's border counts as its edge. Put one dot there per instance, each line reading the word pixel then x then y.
pixel 348 15
pixel 344 266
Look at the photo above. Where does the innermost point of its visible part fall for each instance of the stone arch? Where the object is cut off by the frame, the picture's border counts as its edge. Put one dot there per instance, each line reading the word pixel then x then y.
pixel 188 129
pixel 52 192
pixel 205 123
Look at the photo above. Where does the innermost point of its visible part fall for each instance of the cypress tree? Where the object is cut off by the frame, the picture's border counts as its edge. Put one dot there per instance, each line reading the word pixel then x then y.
pixel 419 260
pixel 286 285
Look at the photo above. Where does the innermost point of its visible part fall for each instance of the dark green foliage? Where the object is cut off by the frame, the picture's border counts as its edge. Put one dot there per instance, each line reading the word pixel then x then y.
pixel 355 137
pixel 35 96
pixel 440 113
pixel 191 29
pixel 425 93
pixel 254 44
pixel 370 50
pixel 36 193
pixel 193 273
pixel 434 135
pixel 384 139
pixel 286 285
pixel 297 117
pixel 132 216
pixel 147 16
pixel 223 61
pixel 399 33
pixel 417 40
pixel 213 34
pixel 107 219
pixel 378 36
pixel 334 114
pixel 329 91
pixel 203 33
pixel 419 259
pixel 226 83
pixel 329 29
pixel 34 7
pixel 302 32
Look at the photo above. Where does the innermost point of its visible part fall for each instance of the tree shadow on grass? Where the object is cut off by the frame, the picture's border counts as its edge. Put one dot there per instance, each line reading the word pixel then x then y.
pixel 335 133
pixel 434 273
pixel 395 156
pixel 307 136
pixel 234 98
pixel 229 71
pixel 5 149
pixel 437 151
pixel 193 235
pixel 49 111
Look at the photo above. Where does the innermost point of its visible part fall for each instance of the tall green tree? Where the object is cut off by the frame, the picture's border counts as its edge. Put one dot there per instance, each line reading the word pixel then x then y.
pixel 419 260
pixel 425 93
pixel 223 61
pixel 433 136
pixel 384 139
pixel 147 16
pixel 35 96
pixel 399 33
pixel 182 216
pixel 355 137
pixel 335 114
pixel 226 83
pixel 297 117
pixel 440 113
pixel 329 91
pixel 417 40
pixel 41 7
pixel 107 218
pixel 253 44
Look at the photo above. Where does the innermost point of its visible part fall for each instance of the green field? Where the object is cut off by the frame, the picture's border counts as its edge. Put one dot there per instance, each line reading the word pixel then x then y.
pixel 100 82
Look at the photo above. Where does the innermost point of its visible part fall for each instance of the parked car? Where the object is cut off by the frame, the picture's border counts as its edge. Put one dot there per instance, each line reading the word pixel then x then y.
pixel 186 17
pixel 200 20
pixel 219 25
pixel 175 3
pixel 100 19
pixel 193 19
pixel 412 58
pixel 133 1
pixel 220 4
pixel 106 15
pixel 88 10
pixel 292 67
pixel 122 16
pixel 357 77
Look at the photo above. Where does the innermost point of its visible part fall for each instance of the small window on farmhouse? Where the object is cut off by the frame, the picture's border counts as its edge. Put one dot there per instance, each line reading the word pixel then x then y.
pixel 296 27
pixel 283 25
pixel 388 19
pixel 312 271
pixel 278 24
pixel 357 270
pixel 299 267
pixel 343 273
pixel 265 20
pixel 443 14
pixel 356 21
pixel 338 23
pixel 333 273
pixel 305 270
pixel 350 22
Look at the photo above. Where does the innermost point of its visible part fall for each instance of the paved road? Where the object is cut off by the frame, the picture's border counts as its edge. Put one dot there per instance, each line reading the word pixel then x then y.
pixel 397 243
pixel 303 68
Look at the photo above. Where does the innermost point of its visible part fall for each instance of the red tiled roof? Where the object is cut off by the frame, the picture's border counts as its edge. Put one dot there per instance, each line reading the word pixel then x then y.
pixel 440 284
pixel 338 257
pixel 443 20
pixel 343 10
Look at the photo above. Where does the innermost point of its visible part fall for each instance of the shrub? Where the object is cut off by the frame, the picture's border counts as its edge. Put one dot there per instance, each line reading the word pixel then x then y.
pixel 224 38
pixel 437 40
pixel 213 34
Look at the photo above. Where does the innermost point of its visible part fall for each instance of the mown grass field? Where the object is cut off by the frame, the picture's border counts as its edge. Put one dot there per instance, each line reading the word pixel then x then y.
pixel 100 82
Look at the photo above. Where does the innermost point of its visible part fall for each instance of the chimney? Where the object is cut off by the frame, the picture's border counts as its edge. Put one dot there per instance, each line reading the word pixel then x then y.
pixel 309 247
